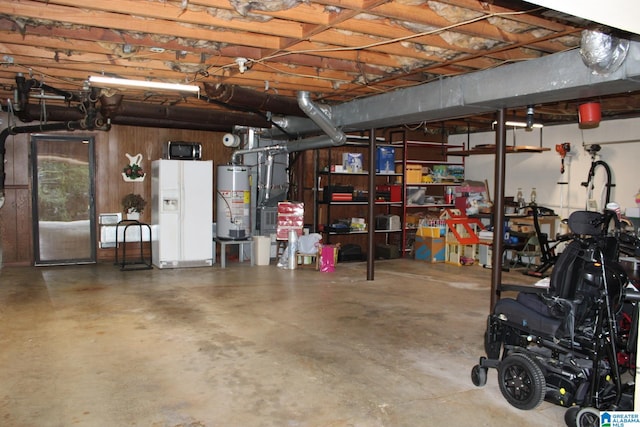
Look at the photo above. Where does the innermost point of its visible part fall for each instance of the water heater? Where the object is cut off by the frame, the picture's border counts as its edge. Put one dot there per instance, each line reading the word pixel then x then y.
pixel 233 203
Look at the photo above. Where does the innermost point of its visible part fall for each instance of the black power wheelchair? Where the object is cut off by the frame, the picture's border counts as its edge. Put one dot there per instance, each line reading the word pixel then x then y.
pixel 573 343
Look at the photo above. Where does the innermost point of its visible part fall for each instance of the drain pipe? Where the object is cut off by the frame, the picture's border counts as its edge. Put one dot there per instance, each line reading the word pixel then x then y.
pixel 23 89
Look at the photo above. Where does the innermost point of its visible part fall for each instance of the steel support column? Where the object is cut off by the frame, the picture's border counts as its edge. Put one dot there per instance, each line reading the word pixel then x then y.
pixel 498 208
pixel 371 231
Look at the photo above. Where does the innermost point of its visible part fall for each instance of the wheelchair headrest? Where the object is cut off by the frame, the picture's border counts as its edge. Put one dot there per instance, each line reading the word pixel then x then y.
pixel 587 222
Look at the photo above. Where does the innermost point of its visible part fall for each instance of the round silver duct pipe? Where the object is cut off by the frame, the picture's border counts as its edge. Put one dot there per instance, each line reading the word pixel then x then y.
pixel 602 53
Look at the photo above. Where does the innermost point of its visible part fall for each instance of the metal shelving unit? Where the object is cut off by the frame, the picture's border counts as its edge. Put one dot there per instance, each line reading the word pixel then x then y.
pixel 359 179
pixel 426 154
pixel 423 153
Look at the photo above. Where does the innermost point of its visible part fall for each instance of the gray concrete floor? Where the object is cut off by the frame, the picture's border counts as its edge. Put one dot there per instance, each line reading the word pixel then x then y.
pixel 249 346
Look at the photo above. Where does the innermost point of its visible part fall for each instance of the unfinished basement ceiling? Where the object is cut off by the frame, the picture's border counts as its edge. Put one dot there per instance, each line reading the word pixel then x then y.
pixel 266 51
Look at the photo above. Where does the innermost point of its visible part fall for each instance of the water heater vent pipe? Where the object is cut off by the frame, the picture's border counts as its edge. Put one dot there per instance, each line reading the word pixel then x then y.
pixel 271 149
pixel 333 137
pixel 320 118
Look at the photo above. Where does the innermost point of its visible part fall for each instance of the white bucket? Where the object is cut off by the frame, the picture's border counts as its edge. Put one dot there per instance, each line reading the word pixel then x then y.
pixel 261 250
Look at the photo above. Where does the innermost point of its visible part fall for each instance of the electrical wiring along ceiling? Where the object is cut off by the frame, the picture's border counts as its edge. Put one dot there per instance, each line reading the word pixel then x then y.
pixel 260 54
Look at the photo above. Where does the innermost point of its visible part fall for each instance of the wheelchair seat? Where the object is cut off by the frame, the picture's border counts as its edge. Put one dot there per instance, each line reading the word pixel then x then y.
pixel 552 313
pixel 528 313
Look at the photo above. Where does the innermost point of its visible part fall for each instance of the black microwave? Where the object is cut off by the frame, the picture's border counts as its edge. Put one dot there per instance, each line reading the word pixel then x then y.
pixel 182 150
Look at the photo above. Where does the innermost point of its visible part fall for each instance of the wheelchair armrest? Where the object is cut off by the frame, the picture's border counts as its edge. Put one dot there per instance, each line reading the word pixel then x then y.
pixel 563 237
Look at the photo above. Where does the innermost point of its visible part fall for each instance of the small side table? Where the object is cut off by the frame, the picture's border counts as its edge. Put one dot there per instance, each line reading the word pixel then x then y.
pixel 136 264
pixel 242 244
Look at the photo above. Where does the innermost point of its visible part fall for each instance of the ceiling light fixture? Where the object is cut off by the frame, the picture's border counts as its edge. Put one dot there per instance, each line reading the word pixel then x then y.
pixel 528 124
pixel 45 96
pixel 516 124
pixel 103 81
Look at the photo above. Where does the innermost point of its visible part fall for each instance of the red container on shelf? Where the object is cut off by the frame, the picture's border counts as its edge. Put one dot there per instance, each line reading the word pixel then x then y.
pixel 394 192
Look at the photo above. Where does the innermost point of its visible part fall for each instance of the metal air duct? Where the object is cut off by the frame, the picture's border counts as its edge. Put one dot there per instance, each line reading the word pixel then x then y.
pixel 556 77
pixel 333 137
pixel 602 53
pixel 322 141
pixel 321 119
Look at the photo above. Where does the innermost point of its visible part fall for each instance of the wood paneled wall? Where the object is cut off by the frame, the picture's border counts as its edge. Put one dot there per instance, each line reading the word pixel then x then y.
pixel 110 158
pixel 15 215
pixel 16 236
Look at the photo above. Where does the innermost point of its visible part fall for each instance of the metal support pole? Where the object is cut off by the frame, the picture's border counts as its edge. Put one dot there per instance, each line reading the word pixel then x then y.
pixel 498 209
pixel 372 205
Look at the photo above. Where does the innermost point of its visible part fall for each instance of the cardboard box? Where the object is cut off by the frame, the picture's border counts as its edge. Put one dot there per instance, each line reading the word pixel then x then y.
pixel 440 172
pixel 413 174
pixel 521 228
pixel 290 217
pixel 358 224
pixel 428 231
pixel 456 172
pixel 353 162
pixel 430 249
pixel 385 160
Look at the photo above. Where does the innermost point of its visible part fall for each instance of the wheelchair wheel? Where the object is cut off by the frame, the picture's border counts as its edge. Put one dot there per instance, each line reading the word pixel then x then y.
pixel 571 416
pixel 521 381
pixel 479 376
pixel 582 417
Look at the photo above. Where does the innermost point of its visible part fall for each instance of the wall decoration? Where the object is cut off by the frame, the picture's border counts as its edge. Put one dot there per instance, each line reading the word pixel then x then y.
pixel 133 172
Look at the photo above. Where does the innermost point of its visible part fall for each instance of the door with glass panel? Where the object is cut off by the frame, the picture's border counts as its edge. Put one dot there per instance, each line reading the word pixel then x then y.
pixel 63 199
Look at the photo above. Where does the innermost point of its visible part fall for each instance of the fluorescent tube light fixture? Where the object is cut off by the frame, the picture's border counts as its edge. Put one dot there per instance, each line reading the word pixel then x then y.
pixel 514 124
pixel 100 81
pixel 45 96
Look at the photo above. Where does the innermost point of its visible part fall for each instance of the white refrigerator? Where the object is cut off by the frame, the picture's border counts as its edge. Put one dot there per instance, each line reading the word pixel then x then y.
pixel 182 213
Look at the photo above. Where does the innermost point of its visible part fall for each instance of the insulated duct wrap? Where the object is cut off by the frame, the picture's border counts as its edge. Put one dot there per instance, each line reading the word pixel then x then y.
pixel 602 53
